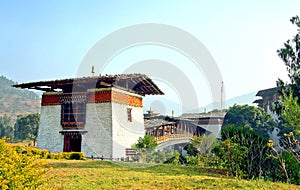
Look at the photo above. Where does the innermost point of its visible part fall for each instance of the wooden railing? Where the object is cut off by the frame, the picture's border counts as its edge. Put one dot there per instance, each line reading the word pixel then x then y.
pixel 172 137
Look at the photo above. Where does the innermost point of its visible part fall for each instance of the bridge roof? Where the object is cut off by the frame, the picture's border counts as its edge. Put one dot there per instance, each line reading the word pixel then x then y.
pixel 202 115
pixel 151 123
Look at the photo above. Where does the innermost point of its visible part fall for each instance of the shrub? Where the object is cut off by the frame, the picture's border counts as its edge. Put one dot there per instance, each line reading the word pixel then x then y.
pixel 18 170
pixel 233 155
pixel 77 156
pixel 31 151
pixel 158 157
pixel 292 167
pixel 257 153
pixel 204 160
pixel 69 156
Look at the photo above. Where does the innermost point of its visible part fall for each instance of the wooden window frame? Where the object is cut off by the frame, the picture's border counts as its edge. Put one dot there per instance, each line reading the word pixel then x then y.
pixel 73 114
pixel 129 114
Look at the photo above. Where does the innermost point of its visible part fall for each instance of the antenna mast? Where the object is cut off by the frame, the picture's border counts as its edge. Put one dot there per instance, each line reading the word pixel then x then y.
pixel 222 86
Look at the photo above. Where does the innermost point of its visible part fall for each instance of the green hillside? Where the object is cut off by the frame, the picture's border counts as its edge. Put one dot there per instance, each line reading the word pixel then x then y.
pixel 14 102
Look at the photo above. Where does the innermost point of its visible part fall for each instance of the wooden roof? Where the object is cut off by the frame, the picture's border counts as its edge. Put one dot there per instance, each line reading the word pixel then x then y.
pixel 136 83
pixel 268 92
pixel 153 123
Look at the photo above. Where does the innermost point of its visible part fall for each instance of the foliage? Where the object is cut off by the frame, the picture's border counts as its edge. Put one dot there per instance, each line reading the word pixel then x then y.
pixel 201 144
pixel 45 154
pixel 31 151
pixel 26 127
pixel 176 159
pixel 262 160
pixel 290 55
pixel 6 127
pixel 291 144
pixel 253 164
pixel 293 168
pixel 145 148
pixel 157 156
pixel 205 160
pixel 288 164
pixel 277 155
pixel 234 156
pixel 67 156
pixel 254 117
pixel 19 171
pixel 290 114
pixel 291 111
pixel 146 142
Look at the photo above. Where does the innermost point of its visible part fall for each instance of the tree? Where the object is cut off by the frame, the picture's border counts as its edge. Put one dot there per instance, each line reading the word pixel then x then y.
pixel 146 142
pixel 289 108
pixel 256 118
pixel 6 127
pixel 252 164
pixel 291 111
pixel 145 147
pixel 26 127
pixel 290 54
pixel 290 114
pixel 234 156
pixel 201 144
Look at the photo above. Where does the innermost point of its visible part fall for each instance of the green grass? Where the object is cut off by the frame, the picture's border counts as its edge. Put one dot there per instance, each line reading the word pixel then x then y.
pixel 119 175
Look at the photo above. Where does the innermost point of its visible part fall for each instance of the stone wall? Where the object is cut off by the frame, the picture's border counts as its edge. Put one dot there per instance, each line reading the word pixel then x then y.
pixel 126 133
pixel 107 131
pixel 97 141
pixel 48 135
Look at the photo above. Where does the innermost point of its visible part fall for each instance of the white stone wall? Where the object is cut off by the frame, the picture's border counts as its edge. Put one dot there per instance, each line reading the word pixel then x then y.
pixel 125 133
pixel 48 135
pixel 98 141
pixel 108 131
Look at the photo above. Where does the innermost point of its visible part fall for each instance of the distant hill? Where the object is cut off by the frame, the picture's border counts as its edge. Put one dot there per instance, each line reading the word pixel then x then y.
pixel 248 98
pixel 14 102
pixel 165 106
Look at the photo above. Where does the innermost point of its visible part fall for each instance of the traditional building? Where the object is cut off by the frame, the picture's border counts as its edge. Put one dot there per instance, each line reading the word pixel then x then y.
pixel 188 125
pixel 268 97
pixel 205 123
pixel 100 116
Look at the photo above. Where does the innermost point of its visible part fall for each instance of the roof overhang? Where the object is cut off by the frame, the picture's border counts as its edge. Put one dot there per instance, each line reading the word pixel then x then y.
pixel 137 83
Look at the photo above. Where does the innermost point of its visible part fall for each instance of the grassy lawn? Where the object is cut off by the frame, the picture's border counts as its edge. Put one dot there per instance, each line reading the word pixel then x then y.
pixel 114 175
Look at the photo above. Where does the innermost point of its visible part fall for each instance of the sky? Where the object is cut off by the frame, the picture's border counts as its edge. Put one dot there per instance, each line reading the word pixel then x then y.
pixel 47 40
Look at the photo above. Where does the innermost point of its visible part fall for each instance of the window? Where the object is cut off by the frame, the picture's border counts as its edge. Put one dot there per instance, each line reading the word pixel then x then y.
pixel 129 116
pixel 73 114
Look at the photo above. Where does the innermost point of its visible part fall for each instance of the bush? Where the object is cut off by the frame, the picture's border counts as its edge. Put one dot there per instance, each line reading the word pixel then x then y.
pixel 66 156
pixel 31 151
pixel 44 154
pixel 204 160
pixel 158 157
pixel 18 170
pixel 292 167
pixel 77 156
pixel 257 150
pixel 234 156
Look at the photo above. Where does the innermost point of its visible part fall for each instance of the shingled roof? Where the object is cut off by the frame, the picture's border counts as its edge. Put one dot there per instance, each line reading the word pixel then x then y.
pixel 137 83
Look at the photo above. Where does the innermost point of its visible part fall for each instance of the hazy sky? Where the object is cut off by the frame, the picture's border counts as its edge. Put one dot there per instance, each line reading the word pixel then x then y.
pixel 45 40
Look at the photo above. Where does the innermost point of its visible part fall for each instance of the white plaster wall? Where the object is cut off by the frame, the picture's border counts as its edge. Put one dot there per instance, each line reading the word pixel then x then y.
pixel 49 137
pixel 125 133
pixel 98 141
